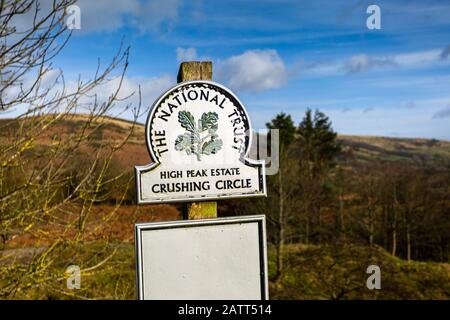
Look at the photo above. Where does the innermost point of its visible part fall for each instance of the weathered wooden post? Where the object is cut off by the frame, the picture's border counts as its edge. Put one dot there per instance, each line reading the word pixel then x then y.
pixel 196 70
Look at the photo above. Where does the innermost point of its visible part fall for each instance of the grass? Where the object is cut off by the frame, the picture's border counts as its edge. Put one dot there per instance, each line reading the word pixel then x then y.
pixel 114 278
pixel 312 272
pixel 339 272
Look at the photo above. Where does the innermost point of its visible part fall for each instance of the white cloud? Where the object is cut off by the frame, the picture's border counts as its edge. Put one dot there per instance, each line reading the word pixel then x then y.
pixel 156 15
pixel 254 70
pixel 186 54
pixel 441 114
pixel 417 59
pixel 127 98
pixel 363 62
pixel 109 16
pixel 100 15
pixel 323 68
pixel 151 89
pixel 49 78
pixel 146 16
pixel 445 52
pixel 358 63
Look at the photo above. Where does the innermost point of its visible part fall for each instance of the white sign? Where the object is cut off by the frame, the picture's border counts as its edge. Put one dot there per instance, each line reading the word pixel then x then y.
pixel 198 136
pixel 206 259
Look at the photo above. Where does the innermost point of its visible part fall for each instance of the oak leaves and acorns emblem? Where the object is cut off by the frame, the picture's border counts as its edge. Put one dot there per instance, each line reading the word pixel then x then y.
pixel 200 137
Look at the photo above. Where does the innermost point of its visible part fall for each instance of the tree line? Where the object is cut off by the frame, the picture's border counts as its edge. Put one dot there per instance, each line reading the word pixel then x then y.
pixel 319 196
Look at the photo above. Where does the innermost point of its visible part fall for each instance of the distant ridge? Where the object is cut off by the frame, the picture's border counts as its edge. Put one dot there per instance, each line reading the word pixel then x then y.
pixel 418 151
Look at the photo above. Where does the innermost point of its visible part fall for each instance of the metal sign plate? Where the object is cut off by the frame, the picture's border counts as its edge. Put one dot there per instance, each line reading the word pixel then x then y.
pixel 198 136
pixel 222 258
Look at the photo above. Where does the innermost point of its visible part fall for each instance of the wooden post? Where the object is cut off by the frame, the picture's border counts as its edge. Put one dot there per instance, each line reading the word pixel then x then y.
pixel 196 70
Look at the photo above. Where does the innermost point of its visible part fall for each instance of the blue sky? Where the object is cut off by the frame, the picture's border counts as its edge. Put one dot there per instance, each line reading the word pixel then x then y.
pixel 286 56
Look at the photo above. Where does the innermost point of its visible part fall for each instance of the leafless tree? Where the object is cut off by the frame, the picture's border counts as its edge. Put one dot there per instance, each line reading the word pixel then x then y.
pixel 51 178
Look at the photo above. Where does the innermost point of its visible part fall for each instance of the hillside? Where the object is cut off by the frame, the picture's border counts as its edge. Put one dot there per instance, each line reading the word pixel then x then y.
pixel 423 152
pixel 333 269
pixel 338 271
pixel 105 130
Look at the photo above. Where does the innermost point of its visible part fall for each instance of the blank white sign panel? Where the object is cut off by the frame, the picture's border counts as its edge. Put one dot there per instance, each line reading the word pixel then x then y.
pixel 203 259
